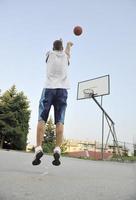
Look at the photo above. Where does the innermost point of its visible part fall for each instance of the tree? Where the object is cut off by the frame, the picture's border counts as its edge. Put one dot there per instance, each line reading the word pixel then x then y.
pixel 49 136
pixel 14 118
pixel 134 149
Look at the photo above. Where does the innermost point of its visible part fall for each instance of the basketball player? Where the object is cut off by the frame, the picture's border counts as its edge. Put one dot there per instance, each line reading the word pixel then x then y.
pixel 55 93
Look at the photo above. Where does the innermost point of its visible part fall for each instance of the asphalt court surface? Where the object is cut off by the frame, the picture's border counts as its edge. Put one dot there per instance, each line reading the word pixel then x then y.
pixel 75 179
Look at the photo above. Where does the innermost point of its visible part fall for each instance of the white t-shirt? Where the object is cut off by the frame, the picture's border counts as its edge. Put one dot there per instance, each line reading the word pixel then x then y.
pixel 57 70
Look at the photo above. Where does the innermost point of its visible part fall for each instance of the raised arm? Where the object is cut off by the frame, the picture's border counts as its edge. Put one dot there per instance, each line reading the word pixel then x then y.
pixel 68 47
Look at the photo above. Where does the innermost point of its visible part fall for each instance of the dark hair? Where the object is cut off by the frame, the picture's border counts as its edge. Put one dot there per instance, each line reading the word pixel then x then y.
pixel 57 45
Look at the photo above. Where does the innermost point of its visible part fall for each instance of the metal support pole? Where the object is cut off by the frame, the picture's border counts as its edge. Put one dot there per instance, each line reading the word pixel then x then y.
pixel 105 113
pixel 102 149
pixel 111 126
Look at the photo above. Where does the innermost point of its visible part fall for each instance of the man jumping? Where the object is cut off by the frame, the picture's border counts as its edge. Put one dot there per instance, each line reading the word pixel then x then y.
pixel 55 93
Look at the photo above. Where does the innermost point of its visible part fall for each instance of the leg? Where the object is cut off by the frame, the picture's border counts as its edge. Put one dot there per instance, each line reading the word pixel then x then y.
pixel 40 132
pixel 44 108
pixel 59 107
pixel 59 140
pixel 59 134
pixel 38 149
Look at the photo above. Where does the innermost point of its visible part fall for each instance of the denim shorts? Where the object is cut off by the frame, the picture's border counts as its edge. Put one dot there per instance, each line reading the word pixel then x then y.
pixel 57 98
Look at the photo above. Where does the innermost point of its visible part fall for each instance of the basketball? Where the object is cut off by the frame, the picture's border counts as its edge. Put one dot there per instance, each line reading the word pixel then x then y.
pixel 77 30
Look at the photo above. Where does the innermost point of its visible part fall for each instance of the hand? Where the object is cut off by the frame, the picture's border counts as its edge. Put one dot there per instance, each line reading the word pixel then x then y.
pixel 70 44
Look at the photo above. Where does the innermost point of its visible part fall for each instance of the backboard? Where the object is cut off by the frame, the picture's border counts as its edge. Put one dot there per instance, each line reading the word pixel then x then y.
pixel 97 87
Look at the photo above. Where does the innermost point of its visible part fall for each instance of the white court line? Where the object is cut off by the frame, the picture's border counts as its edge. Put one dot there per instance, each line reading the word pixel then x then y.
pixel 44 173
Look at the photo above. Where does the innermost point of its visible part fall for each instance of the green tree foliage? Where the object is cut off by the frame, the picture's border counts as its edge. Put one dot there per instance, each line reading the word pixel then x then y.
pixel 14 118
pixel 49 137
pixel 134 149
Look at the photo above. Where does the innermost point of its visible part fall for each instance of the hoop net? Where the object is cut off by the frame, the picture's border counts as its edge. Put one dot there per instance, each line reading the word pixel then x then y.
pixel 88 93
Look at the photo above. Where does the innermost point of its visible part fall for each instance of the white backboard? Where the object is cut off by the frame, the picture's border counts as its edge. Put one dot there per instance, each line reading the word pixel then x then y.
pixel 98 87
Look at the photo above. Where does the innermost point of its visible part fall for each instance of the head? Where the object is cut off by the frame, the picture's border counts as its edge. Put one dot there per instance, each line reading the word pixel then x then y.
pixel 57 45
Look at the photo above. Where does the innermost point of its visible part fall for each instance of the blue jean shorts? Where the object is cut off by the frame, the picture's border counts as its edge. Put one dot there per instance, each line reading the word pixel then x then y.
pixel 57 98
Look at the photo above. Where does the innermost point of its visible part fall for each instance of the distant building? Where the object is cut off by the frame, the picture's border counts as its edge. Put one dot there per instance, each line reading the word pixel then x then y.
pixel 91 149
pixel 80 145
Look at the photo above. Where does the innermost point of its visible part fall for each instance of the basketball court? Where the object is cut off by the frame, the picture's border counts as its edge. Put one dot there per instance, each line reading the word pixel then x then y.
pixel 75 179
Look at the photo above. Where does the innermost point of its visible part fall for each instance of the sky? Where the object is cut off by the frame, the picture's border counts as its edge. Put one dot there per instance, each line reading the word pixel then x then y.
pixel 106 47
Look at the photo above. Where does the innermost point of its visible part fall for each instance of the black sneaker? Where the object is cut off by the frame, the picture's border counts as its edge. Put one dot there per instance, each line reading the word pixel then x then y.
pixel 56 160
pixel 37 158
